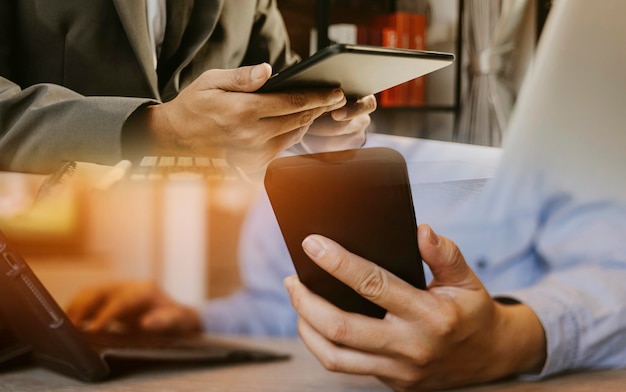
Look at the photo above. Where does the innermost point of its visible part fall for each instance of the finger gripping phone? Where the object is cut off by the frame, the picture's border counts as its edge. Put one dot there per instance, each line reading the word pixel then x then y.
pixel 359 198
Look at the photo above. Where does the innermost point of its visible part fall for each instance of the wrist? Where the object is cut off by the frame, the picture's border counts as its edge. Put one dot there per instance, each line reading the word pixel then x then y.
pixel 156 129
pixel 135 138
pixel 522 341
pixel 159 129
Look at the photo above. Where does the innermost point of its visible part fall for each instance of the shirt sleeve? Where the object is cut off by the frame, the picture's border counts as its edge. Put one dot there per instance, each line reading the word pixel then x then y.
pixel 261 306
pixel 581 301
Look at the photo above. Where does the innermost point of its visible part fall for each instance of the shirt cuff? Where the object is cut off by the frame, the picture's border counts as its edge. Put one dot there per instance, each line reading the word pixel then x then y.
pixel 561 328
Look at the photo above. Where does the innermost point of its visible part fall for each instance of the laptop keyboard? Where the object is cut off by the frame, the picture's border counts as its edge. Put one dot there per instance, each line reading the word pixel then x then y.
pixel 163 167
pixel 195 347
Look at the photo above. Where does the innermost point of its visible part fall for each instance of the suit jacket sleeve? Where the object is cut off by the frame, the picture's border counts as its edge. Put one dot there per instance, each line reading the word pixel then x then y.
pixel 47 119
pixel 45 124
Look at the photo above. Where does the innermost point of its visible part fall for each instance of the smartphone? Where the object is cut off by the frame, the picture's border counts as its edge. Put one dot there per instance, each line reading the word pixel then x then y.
pixel 359 70
pixel 359 198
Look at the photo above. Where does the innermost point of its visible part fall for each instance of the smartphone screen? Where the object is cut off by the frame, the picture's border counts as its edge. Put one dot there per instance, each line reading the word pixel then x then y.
pixel 358 198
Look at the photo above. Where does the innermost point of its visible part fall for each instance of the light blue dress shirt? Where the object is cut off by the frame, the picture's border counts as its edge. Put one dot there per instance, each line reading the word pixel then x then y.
pixel 561 251
pixel 550 228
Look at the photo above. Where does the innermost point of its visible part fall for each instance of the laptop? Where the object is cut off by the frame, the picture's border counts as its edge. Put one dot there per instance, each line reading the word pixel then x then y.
pixel 34 329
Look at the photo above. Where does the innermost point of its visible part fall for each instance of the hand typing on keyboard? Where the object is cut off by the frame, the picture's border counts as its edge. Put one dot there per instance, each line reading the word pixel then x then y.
pixel 130 307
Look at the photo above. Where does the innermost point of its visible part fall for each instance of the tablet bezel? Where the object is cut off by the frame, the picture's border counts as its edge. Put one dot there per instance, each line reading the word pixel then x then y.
pixel 359 70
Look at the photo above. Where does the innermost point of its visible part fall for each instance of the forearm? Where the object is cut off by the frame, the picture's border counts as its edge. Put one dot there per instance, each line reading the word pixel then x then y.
pixel 148 131
pixel 43 125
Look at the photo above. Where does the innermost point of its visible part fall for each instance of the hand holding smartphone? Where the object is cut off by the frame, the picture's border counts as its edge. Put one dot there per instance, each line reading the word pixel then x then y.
pixel 358 198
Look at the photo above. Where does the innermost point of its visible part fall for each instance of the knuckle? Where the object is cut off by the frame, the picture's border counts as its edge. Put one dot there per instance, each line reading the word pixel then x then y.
pixel 370 104
pixel 306 117
pixel 240 76
pixel 338 330
pixel 409 382
pixel 374 284
pixel 455 252
pixel 330 361
pixel 456 261
pixel 207 75
pixel 340 262
pixel 297 99
pixel 206 80
pixel 421 358
pixel 447 325
pixel 240 108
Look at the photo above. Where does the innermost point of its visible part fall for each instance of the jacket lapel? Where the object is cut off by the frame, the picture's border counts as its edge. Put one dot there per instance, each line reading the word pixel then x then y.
pixel 132 14
pixel 200 27
pixel 201 24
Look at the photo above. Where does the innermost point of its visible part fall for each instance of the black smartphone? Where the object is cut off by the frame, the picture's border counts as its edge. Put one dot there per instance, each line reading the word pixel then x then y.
pixel 359 70
pixel 359 198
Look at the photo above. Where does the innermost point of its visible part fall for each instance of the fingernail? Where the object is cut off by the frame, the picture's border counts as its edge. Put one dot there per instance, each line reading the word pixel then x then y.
pixel 314 247
pixel 259 72
pixel 432 237
pixel 337 95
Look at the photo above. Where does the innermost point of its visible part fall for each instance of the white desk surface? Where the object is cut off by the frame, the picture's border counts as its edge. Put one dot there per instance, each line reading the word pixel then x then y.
pixel 424 150
pixel 432 160
pixel 301 373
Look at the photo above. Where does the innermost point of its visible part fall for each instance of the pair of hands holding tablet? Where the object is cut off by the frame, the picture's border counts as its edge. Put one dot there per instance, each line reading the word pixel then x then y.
pixel 220 114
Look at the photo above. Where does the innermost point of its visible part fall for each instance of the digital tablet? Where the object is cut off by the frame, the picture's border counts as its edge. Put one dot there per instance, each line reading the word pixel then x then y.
pixel 359 70
pixel 359 198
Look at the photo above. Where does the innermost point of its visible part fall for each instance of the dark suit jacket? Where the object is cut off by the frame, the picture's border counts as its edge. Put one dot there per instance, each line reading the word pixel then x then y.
pixel 72 71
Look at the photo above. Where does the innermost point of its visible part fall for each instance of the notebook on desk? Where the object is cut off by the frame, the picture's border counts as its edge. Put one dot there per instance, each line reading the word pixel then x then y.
pixel 34 327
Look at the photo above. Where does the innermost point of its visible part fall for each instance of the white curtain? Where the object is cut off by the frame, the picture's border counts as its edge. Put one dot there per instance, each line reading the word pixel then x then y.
pixel 491 33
